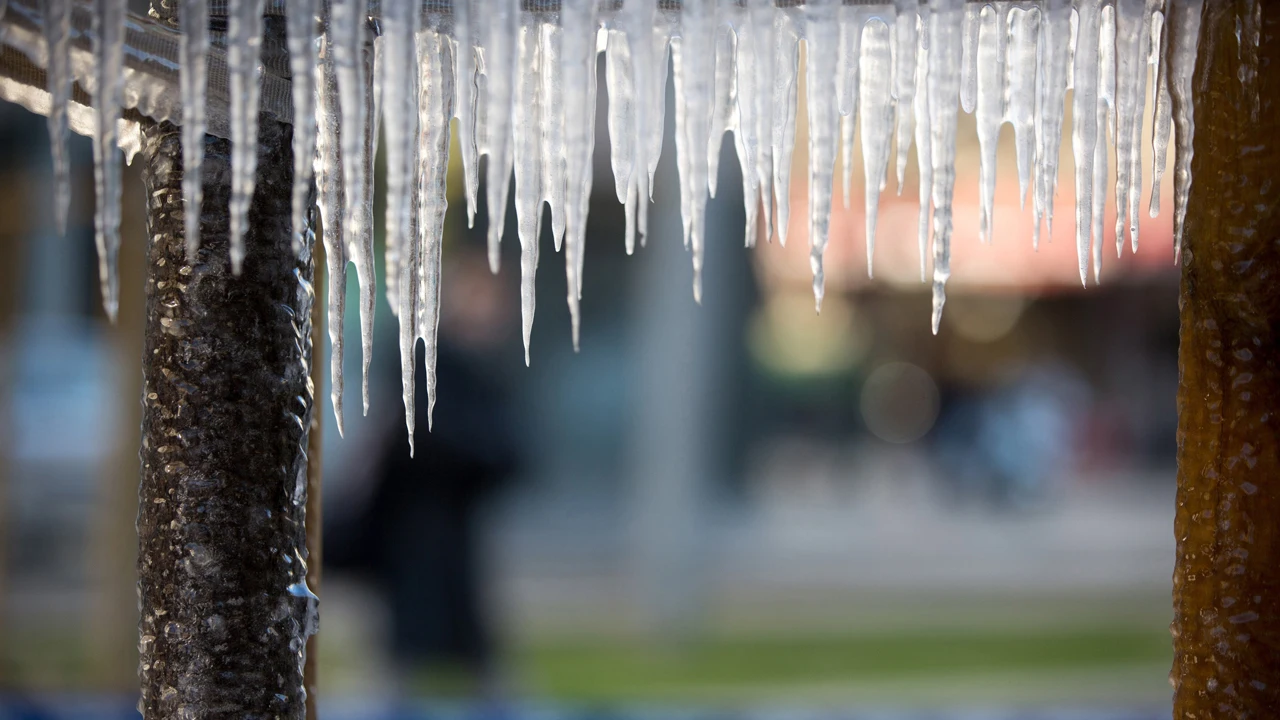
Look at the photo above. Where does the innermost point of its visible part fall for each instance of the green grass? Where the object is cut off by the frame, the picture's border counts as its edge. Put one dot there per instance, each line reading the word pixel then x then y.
pixel 879 665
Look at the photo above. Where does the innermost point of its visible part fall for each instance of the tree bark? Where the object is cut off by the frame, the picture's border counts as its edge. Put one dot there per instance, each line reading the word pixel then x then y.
pixel 1226 626
pixel 225 608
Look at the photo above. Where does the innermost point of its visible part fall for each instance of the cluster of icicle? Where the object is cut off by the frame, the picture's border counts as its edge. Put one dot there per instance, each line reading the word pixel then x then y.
pixel 521 80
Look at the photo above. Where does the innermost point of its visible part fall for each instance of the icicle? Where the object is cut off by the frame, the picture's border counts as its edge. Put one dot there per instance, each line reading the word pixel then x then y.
pixel 435 107
pixel 924 150
pixel 353 58
pixel 1162 122
pixel 57 34
pixel 945 53
pixel 876 102
pixel 578 70
pixel 762 34
pixel 527 154
pixel 464 59
pixel 409 291
pixel 301 27
pixel 683 150
pixel 696 75
pixel 905 43
pixel 823 35
pixel 1051 80
pixel 969 55
pixel 244 45
pixel 745 107
pixel 108 91
pixel 852 22
pixel 659 31
pixel 1133 37
pixel 1184 37
pixel 331 197
pixel 348 35
pixel 399 84
pixel 499 68
pixel 1024 34
pixel 1084 126
pixel 1106 120
pixel 552 128
pixel 193 42
pixel 722 102
pixel 620 83
pixel 786 67
pixel 989 114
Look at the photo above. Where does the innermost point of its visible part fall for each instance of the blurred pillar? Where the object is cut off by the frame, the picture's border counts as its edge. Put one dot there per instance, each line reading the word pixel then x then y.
pixel 686 355
pixel 1226 626
pixel 226 413
pixel 112 543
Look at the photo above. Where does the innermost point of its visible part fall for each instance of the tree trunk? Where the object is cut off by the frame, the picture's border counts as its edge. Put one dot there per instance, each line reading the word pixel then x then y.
pixel 225 609
pixel 1226 626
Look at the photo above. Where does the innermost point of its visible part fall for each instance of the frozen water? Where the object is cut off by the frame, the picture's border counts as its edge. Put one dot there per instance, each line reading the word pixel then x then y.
pixel 244 47
pixel 193 16
pixel 521 85
pixel 108 89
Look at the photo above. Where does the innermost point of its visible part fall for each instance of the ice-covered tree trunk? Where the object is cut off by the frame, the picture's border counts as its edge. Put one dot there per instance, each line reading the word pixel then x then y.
pixel 1226 625
pixel 225 608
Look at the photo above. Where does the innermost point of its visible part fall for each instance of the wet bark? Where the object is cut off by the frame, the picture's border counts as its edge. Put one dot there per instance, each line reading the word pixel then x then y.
pixel 1226 626
pixel 227 407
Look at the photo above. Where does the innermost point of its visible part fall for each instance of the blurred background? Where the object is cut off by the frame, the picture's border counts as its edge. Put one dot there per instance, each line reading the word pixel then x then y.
pixel 733 507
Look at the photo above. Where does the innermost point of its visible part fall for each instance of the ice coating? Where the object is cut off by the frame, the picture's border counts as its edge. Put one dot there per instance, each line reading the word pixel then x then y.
pixel 193 17
pixel 57 33
pixel 108 89
pixel 520 80
pixel 244 47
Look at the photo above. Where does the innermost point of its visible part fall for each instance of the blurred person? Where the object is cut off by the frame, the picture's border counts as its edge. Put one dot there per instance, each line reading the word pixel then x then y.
pixel 418 536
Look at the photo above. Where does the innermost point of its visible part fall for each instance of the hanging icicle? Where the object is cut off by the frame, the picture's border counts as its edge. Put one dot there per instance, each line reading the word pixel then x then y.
pixel 108 89
pixel 520 78
pixel 244 49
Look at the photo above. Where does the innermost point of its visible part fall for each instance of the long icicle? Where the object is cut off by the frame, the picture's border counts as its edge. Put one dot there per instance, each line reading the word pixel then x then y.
pixel 57 33
pixel 108 92
pixel 301 28
pixel 435 107
pixel 1084 128
pixel 824 125
pixel 944 88
pixel 331 198
pixel 193 16
pixel 244 47
pixel 500 38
